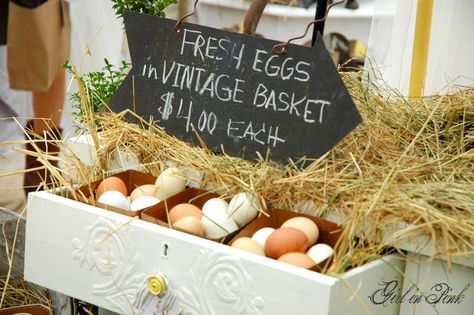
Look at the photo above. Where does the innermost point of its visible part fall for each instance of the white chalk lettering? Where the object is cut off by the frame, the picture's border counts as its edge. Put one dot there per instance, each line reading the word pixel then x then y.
pixel 273 138
pixel 253 135
pixel 236 90
pixel 197 42
pixel 193 79
pixel 273 66
pixel 223 48
pixel 187 78
pixel 200 43
pixel 239 57
pixel 207 122
pixel 181 115
pixel 208 85
pixel 308 111
pixel 176 76
pixel 261 134
pixel 280 98
pixel 151 73
pixel 165 76
pixel 256 60
pixel 260 92
pixel 290 70
pixel 228 94
pixel 268 67
pixel 294 103
pixel 290 103
pixel 198 78
pixel 210 48
pixel 230 128
pixel 321 111
pixel 168 107
pixel 271 102
pixel 305 74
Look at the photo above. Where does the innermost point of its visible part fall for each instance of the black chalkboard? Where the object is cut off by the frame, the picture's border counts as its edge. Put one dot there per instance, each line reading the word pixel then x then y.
pixel 234 91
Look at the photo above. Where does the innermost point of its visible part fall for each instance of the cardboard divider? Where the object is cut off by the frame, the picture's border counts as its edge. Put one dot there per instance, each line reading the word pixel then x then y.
pixel 329 232
pixel 132 180
pixel 158 213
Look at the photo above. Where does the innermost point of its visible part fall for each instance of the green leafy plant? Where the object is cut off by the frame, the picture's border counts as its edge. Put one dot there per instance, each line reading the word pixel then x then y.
pixel 99 86
pixel 153 7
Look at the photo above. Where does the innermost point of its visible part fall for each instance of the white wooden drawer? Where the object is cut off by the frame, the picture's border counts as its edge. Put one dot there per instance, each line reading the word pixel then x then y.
pixel 105 258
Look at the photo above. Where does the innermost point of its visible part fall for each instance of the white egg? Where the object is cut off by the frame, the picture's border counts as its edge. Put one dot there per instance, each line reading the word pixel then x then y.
pixel 243 208
pixel 218 224
pixel 261 235
pixel 114 198
pixel 143 202
pixel 320 252
pixel 170 182
pixel 215 205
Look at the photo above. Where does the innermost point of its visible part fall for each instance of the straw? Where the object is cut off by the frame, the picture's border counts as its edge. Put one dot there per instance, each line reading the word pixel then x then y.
pixel 407 172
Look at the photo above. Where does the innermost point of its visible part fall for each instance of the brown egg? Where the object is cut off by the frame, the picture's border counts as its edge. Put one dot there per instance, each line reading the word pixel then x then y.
pixel 285 240
pixel 305 225
pixel 183 210
pixel 298 259
pixel 143 190
pixel 190 224
pixel 111 183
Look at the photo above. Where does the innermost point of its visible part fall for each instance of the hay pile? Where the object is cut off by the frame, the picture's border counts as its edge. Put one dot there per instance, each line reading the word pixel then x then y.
pixel 18 292
pixel 407 170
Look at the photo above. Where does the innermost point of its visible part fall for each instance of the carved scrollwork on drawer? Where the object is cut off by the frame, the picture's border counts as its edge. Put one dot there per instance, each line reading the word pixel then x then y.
pixel 113 255
pixel 219 282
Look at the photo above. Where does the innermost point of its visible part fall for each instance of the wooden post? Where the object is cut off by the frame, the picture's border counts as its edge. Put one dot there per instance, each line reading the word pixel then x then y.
pixel 182 7
pixel 253 15
pixel 421 45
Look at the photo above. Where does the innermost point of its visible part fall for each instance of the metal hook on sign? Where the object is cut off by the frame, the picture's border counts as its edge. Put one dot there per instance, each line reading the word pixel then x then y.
pixel 177 27
pixel 282 48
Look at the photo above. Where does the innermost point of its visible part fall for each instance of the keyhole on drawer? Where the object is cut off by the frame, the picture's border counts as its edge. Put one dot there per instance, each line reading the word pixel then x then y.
pixel 165 250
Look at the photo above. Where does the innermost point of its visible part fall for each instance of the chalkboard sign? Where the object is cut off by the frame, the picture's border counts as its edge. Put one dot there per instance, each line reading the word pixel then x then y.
pixel 233 91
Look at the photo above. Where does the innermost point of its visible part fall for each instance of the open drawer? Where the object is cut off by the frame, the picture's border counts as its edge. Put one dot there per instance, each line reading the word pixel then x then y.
pixel 106 258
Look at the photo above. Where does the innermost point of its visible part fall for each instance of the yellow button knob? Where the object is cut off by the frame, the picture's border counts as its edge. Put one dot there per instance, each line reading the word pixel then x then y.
pixel 156 285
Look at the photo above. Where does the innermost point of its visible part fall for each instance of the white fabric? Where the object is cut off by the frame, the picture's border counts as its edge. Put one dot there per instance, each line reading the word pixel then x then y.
pixel 451 48
pixel 95 28
pixel 97 33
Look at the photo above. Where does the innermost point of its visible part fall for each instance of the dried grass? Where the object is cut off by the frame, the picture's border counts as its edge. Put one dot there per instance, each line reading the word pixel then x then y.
pixel 13 290
pixel 18 292
pixel 407 171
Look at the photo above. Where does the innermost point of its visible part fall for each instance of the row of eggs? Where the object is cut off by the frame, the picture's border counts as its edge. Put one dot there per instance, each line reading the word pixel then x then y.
pixel 113 191
pixel 294 243
pixel 217 218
